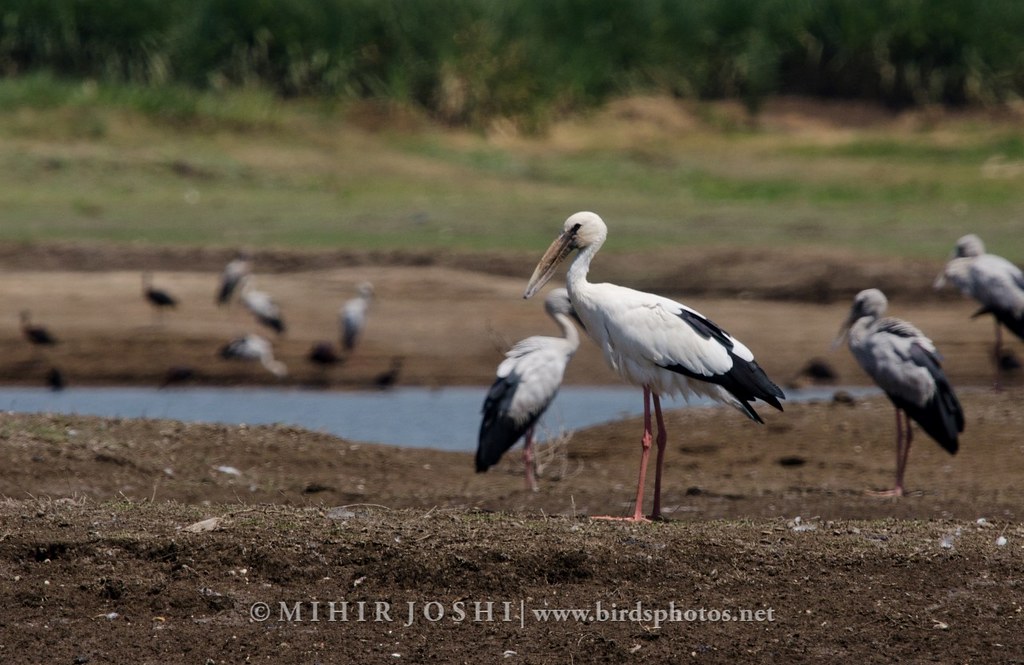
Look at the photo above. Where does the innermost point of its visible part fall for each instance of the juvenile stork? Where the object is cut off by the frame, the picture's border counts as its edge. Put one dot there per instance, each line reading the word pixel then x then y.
pixel 527 382
pixel 653 342
pixel 904 363
pixel 352 316
pixel 994 282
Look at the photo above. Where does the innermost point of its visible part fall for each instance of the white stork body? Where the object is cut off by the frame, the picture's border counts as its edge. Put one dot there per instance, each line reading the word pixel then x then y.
pixel 235 272
pixel 661 344
pixel 905 364
pixel 526 384
pixel 352 316
pixel 653 342
pixel 254 347
pixel 992 281
pixel 263 308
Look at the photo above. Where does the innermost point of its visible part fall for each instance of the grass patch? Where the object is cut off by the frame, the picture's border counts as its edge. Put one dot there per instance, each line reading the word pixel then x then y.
pixel 111 166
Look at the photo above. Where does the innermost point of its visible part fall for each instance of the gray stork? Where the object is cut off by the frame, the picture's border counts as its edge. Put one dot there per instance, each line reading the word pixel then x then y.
pixel 352 316
pixel 526 384
pixel 904 363
pixel 235 272
pixel 994 282
pixel 254 347
pixel 653 342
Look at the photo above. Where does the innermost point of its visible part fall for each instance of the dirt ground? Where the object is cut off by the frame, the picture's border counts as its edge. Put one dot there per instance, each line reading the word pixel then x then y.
pixel 157 541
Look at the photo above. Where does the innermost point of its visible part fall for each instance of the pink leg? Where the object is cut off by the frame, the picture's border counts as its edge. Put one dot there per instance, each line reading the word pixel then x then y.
pixel 999 356
pixel 662 439
pixel 901 468
pixel 900 458
pixel 645 444
pixel 531 480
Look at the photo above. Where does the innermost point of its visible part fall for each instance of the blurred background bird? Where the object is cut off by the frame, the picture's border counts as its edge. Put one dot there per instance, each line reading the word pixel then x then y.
pixel 352 317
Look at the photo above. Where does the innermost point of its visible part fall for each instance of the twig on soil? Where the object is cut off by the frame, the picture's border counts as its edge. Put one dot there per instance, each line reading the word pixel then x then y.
pixel 366 505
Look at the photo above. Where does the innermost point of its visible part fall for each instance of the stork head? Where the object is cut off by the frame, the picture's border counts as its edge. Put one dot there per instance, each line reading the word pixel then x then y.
pixel 868 303
pixel 557 302
pixel 968 245
pixel 581 230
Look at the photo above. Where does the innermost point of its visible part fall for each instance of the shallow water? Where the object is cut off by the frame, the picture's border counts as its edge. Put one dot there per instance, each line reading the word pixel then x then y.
pixel 446 419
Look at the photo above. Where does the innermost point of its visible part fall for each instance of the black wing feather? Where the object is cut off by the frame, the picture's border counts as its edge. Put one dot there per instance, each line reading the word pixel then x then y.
pixel 745 380
pixel 498 431
pixel 941 417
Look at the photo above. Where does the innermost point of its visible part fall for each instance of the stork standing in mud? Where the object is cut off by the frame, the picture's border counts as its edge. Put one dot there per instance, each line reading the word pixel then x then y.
pixel 904 363
pixel 526 384
pixel 994 282
pixel 662 346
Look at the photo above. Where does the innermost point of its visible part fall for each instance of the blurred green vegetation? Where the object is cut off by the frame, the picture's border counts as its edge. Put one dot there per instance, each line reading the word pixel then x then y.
pixel 468 61
pixel 287 123
pixel 258 172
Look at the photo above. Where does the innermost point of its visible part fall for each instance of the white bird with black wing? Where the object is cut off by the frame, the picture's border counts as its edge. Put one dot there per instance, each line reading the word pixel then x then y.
pixel 526 384
pixel 653 342
pixel 263 308
pixel 235 273
pixel 905 364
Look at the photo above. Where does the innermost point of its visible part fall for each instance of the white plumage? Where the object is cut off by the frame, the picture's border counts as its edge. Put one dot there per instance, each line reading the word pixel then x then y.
pixel 263 308
pixel 352 316
pixel 653 342
pixel 992 281
pixel 235 272
pixel 526 384
pixel 905 364
pixel 254 347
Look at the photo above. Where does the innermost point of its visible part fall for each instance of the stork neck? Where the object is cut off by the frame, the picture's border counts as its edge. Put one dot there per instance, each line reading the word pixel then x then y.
pixel 576 277
pixel 569 331
pixel 860 328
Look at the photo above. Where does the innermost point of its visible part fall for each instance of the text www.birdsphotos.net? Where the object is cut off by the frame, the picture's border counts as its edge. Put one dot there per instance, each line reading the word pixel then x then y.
pixel 511 612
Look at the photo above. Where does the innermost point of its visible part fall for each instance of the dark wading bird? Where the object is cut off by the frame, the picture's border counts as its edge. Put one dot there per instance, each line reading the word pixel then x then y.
pixel 235 272
pixel 904 363
pixel 352 317
pixel 527 382
pixel 37 335
pixel 387 379
pixel 55 380
pixel 178 374
pixel 322 354
pixel 994 282
pixel 158 298
pixel 653 342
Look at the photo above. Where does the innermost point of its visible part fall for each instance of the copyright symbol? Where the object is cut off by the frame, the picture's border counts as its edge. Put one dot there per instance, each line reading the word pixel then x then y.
pixel 259 611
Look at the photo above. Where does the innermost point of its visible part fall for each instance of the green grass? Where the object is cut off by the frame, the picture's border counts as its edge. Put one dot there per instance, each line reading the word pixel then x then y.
pixel 247 169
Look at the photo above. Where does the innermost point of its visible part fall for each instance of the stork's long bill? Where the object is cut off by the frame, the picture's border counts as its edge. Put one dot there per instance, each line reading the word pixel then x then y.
pixel 563 245
pixel 844 330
